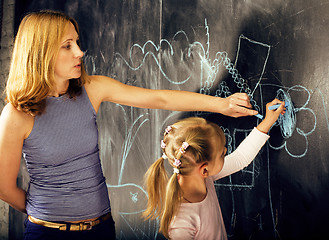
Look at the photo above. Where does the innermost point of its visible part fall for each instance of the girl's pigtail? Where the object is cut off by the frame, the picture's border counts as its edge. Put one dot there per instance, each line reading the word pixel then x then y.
pixel 171 204
pixel 156 180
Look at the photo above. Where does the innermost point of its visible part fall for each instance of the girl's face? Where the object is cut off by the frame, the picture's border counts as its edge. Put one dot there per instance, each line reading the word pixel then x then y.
pixel 217 162
pixel 68 62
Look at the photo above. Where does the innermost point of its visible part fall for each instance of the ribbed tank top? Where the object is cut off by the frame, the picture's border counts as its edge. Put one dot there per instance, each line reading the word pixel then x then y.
pixel 62 158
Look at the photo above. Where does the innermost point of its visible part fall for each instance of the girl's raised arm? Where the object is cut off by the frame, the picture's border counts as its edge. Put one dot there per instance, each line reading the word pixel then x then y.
pixel 251 145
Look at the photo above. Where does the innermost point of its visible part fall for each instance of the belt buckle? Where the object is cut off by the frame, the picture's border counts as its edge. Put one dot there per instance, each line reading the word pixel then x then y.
pixel 87 225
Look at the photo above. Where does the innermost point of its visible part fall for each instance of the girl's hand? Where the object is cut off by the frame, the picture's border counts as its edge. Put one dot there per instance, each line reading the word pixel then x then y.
pixel 271 115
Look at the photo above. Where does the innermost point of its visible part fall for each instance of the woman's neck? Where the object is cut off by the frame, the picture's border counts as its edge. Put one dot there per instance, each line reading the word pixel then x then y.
pixel 193 187
pixel 60 89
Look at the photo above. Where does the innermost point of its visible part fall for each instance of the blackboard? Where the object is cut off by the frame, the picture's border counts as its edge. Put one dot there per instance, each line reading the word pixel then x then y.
pixel 263 47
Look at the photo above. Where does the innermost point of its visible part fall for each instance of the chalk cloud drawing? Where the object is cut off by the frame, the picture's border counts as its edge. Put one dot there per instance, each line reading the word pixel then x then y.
pixel 196 56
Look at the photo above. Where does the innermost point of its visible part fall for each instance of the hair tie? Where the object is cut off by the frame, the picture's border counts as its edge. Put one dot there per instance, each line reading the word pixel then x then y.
pixel 177 162
pixel 163 144
pixel 184 146
pixel 168 129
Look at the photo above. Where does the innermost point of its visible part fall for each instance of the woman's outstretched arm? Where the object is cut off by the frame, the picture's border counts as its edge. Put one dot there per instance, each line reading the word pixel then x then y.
pixel 103 88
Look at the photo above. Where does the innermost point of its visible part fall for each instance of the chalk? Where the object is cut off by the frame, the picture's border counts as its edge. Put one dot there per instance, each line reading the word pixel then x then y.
pixel 276 106
pixel 259 116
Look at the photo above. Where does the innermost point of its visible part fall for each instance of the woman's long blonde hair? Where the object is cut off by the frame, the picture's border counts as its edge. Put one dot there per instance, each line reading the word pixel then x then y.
pixel 164 196
pixel 31 76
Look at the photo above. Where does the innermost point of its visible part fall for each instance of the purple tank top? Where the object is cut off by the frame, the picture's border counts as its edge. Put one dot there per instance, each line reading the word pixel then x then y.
pixel 62 157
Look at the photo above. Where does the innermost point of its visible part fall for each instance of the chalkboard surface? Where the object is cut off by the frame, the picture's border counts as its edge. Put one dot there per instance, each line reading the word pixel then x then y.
pixel 263 47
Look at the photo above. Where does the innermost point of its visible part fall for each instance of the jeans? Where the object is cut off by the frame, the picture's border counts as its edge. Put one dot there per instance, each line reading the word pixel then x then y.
pixel 102 231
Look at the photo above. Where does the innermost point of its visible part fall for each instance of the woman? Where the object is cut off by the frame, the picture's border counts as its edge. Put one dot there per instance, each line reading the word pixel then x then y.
pixel 50 117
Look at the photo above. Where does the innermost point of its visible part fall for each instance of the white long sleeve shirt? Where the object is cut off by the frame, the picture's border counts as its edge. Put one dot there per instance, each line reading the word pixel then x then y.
pixel 203 220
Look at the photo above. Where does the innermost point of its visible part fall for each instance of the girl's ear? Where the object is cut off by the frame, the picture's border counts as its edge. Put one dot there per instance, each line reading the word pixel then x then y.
pixel 203 170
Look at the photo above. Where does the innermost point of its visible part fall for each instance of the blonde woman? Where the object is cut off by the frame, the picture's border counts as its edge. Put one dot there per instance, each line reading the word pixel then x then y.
pixel 187 204
pixel 50 117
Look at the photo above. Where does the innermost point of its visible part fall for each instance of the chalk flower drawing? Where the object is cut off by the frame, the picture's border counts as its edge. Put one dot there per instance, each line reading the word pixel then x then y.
pixel 288 122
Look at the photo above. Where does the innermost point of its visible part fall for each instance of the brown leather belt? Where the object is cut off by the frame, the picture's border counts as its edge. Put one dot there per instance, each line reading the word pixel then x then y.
pixel 81 226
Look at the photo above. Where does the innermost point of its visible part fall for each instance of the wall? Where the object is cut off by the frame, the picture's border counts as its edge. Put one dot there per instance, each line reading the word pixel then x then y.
pixel 266 48
pixel 6 44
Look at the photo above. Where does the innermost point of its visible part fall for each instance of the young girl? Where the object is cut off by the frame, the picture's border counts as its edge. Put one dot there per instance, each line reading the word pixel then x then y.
pixel 187 203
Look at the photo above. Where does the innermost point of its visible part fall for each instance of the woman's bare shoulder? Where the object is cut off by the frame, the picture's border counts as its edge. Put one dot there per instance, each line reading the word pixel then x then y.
pixel 94 83
pixel 18 121
pixel 99 79
pixel 101 88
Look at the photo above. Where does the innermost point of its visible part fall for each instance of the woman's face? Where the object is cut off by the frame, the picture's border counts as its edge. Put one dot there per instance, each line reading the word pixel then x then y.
pixel 68 62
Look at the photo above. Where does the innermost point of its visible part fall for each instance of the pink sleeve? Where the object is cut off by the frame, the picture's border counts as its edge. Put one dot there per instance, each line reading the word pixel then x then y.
pixel 244 154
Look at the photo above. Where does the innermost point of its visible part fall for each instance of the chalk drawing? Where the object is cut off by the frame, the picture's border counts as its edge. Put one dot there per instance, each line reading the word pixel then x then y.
pixel 287 122
pixel 209 71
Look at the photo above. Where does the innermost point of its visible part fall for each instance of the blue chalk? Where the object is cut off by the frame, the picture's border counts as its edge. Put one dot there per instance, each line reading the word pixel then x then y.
pixel 276 106
pixel 259 116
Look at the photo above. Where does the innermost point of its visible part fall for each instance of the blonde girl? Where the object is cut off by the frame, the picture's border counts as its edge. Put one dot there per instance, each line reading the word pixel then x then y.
pixel 186 203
